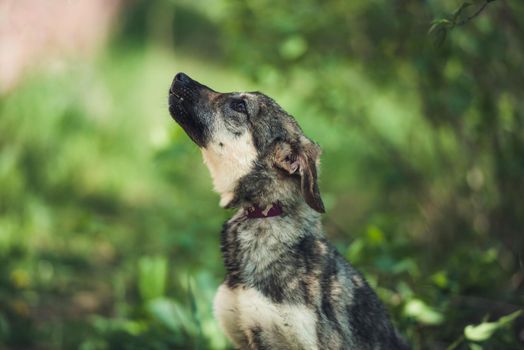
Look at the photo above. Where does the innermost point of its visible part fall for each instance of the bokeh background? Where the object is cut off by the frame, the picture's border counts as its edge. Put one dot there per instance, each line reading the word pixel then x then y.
pixel 109 230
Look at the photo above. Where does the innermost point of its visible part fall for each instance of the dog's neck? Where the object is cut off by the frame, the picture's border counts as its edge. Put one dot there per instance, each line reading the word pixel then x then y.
pixel 262 187
pixel 256 186
pixel 228 161
pixel 256 212
pixel 262 241
pixel 297 211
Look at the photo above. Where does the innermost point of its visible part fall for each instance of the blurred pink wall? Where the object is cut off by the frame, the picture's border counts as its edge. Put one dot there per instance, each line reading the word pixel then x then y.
pixel 39 32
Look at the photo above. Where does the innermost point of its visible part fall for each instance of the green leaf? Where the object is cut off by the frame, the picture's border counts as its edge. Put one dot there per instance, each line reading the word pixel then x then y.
pixel 293 47
pixel 172 315
pixel 374 236
pixel 152 277
pixel 406 265
pixel 355 250
pixel 485 330
pixel 474 346
pixel 438 23
pixel 423 313
pixel 480 332
pixel 440 279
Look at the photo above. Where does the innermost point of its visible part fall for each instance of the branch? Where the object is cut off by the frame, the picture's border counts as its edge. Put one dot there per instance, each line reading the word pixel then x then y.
pixel 478 12
pixel 441 27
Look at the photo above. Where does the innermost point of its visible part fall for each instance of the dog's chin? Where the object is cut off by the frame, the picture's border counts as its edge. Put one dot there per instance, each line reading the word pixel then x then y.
pixel 188 122
pixel 176 108
pixel 178 113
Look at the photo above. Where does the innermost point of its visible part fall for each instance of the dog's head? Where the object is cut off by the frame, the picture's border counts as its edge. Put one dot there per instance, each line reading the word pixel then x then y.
pixel 255 151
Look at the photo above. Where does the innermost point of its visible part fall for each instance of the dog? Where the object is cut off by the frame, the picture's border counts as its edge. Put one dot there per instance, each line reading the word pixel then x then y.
pixel 286 286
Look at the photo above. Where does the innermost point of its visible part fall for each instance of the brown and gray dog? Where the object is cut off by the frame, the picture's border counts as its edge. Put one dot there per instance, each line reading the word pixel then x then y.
pixel 286 286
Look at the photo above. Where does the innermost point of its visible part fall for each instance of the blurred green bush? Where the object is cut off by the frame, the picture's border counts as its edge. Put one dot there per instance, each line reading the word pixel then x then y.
pixel 108 226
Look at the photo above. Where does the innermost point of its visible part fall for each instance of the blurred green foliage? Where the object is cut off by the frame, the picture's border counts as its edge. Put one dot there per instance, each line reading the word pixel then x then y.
pixel 109 231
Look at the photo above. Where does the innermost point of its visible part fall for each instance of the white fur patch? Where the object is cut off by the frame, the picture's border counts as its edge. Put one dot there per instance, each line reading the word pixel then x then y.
pixel 227 313
pixel 240 310
pixel 228 158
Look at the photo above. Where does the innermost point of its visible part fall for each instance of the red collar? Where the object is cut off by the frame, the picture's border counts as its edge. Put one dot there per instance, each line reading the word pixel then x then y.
pixel 255 212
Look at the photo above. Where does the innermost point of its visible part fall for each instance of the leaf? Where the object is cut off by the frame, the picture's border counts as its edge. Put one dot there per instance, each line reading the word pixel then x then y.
pixel 480 332
pixel 406 265
pixel 193 306
pixel 440 279
pixel 172 315
pixel 423 313
pixel 509 318
pixel 374 236
pixel 152 277
pixel 485 330
pixel 440 36
pixel 439 30
pixel 438 23
pixel 293 47
pixel 355 250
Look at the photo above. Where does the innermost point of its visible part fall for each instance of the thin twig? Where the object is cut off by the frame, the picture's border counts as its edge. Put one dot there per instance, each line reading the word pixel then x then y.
pixel 441 27
pixel 479 11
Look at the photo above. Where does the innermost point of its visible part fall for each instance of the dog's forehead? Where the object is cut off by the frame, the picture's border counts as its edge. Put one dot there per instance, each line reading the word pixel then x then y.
pixel 222 98
pixel 259 96
pixel 254 96
pixel 262 107
pixel 246 95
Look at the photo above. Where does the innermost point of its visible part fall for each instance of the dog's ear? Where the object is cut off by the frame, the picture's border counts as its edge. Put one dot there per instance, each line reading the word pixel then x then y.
pixel 301 158
pixel 309 157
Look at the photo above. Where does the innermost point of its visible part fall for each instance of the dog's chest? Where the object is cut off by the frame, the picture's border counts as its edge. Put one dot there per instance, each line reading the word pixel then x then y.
pixel 246 315
pixel 255 249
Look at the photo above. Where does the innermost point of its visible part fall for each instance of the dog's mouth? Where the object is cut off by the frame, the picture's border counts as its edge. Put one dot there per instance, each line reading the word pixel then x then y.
pixel 185 95
pixel 179 102
pixel 176 98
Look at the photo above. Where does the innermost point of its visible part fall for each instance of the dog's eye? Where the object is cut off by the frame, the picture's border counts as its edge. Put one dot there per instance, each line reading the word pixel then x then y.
pixel 239 106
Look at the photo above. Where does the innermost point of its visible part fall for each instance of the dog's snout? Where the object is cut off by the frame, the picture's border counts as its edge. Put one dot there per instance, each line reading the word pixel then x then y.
pixel 182 78
pixel 183 84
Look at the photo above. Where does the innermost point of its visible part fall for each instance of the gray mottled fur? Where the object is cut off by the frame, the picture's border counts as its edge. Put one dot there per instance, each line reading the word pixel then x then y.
pixel 286 286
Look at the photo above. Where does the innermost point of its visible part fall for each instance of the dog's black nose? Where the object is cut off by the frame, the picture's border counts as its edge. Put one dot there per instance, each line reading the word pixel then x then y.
pixel 182 81
pixel 183 78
